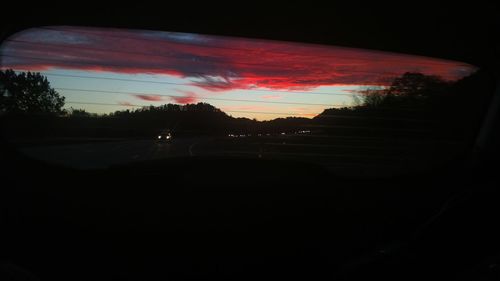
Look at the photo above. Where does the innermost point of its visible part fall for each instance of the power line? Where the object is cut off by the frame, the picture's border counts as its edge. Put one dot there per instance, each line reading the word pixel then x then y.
pixel 232 111
pixel 101 103
pixel 266 112
pixel 196 73
pixel 350 116
pixel 172 83
pixel 232 100
pixel 250 50
pixel 111 78
pixel 200 98
pixel 282 113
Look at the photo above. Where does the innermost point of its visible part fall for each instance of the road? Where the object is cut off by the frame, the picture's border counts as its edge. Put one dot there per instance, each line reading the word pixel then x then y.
pixel 346 155
pixel 96 155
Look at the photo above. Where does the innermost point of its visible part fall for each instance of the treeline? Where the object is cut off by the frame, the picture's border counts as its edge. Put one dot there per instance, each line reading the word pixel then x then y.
pixel 414 105
pixel 183 120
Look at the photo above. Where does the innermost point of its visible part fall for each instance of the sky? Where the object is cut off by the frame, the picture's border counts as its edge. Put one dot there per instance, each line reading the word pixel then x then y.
pixel 104 70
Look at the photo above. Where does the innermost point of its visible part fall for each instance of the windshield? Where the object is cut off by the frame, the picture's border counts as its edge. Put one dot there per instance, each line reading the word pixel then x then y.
pixel 93 97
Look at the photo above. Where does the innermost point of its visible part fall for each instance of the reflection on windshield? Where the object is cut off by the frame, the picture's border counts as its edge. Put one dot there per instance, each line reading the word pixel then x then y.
pixel 90 98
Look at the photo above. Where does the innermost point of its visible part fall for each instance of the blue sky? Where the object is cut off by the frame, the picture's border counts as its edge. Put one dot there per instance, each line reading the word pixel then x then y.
pixel 244 77
pixel 330 96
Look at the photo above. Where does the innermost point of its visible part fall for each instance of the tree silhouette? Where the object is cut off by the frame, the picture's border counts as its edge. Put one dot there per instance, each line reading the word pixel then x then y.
pixel 74 112
pixel 413 101
pixel 28 93
pixel 410 90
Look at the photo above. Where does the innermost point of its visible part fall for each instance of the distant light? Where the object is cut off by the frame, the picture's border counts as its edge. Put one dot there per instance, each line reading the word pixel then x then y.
pixel 282 133
pixel 159 137
pixel 168 137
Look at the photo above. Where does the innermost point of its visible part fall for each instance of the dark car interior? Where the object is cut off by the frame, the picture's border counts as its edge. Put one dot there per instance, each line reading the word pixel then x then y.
pixel 221 218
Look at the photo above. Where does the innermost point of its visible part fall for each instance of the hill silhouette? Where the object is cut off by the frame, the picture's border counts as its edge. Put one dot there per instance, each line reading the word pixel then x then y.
pixel 414 105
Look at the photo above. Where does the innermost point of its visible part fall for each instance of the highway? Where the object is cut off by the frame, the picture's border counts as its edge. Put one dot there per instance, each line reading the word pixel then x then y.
pixel 96 155
pixel 346 155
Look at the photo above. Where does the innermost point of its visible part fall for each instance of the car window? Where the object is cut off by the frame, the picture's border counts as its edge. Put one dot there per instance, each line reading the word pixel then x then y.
pixel 90 98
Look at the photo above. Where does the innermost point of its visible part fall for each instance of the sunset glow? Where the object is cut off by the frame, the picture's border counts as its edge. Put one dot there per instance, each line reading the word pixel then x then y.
pixel 104 70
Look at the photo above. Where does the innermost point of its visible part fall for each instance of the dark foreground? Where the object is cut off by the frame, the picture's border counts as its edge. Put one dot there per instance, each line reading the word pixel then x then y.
pixel 347 155
pixel 232 218
pixel 277 207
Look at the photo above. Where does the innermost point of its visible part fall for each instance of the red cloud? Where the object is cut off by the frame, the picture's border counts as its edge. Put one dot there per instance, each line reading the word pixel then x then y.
pixel 189 97
pixel 214 63
pixel 149 97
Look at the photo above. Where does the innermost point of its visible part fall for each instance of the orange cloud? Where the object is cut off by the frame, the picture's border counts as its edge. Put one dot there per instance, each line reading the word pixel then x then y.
pixel 271 97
